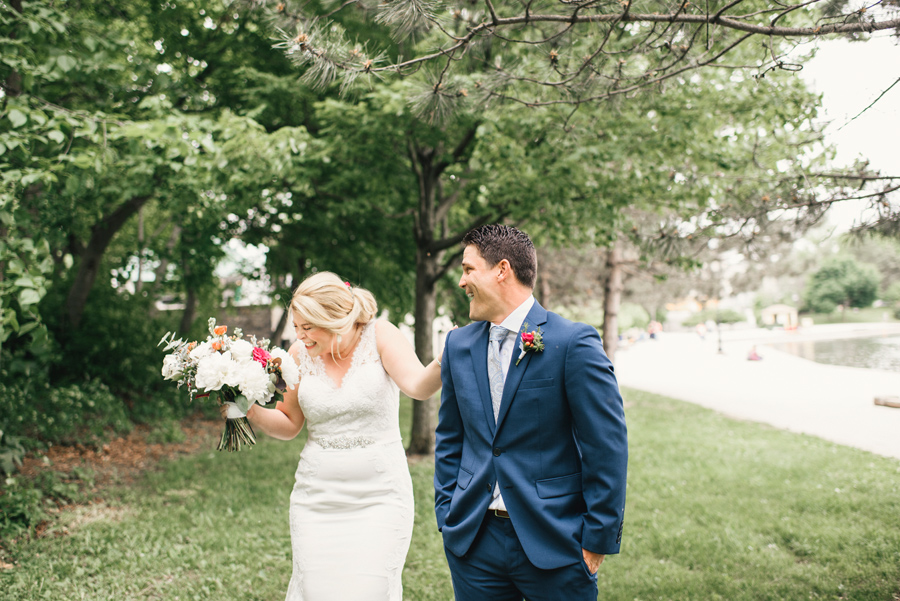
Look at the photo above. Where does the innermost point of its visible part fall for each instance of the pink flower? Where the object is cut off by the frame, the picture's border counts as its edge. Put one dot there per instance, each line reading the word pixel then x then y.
pixel 261 356
pixel 528 337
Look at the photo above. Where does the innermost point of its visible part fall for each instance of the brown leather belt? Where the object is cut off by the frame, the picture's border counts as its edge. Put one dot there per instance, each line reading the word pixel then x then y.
pixel 498 513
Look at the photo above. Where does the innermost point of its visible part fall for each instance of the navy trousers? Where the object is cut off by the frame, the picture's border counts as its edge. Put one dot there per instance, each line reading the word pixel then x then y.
pixel 496 569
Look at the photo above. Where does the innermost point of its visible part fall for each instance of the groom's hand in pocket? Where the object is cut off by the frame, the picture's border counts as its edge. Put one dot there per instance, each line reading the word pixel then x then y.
pixel 593 560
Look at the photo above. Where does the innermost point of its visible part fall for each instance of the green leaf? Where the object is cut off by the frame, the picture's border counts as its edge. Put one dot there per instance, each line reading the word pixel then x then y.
pixel 243 403
pixel 30 178
pixel 25 283
pixel 29 297
pixel 17 117
pixel 66 62
pixel 56 135
pixel 28 327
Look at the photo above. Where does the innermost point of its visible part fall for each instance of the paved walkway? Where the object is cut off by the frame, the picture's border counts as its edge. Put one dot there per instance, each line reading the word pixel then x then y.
pixel 832 402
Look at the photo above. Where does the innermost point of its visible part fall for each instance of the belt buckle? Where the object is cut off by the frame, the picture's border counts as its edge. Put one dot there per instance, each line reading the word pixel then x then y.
pixel 500 513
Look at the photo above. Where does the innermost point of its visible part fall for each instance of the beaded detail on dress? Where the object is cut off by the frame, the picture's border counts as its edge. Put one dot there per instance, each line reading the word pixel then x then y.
pixel 345 442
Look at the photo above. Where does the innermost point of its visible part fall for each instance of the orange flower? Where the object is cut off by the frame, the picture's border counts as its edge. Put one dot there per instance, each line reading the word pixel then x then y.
pixel 217 345
pixel 220 330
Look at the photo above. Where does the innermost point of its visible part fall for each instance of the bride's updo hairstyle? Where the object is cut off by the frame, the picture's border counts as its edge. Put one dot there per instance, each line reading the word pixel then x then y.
pixel 325 301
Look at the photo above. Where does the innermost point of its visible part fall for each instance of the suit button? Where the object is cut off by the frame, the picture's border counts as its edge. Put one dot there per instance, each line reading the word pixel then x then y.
pixel 497 452
pixel 489 488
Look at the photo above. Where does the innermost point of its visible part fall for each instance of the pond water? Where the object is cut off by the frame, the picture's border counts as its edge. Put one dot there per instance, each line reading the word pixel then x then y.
pixel 878 352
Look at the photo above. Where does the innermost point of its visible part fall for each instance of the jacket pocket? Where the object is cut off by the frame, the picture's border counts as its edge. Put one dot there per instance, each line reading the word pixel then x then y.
pixel 558 487
pixel 463 478
pixel 538 383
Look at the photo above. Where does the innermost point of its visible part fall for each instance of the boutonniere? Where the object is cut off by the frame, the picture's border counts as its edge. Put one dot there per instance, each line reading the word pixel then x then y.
pixel 530 342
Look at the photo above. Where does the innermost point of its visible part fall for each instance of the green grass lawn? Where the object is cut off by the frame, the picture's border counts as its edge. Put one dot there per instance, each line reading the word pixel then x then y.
pixel 717 509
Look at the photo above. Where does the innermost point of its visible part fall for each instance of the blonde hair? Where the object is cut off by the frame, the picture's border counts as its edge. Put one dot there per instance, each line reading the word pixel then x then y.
pixel 325 301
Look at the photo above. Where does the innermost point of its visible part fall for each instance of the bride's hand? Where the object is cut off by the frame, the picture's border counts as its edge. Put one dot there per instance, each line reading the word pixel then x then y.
pixel 226 408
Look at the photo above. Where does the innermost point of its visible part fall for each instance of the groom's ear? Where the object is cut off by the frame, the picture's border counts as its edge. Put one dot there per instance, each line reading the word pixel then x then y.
pixel 505 272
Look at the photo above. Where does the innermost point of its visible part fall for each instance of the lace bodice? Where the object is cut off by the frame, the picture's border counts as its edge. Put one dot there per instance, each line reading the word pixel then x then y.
pixel 364 408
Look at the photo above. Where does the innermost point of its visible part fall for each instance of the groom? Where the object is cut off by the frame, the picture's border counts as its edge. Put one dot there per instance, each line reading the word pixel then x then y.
pixel 531 447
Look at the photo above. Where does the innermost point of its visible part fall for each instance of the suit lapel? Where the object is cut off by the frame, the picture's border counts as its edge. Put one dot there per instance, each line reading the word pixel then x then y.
pixel 537 316
pixel 479 367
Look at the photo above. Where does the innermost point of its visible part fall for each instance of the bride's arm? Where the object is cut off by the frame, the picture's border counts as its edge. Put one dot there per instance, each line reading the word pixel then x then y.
pixel 399 358
pixel 286 419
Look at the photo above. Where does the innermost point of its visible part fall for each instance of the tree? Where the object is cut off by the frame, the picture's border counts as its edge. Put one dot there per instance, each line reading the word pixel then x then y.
pixel 544 53
pixel 696 165
pixel 841 281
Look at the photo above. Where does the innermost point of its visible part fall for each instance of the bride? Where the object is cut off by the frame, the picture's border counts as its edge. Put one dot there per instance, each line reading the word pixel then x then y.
pixel 351 510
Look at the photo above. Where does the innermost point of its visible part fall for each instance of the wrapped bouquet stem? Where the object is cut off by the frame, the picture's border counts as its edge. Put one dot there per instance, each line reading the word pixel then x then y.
pixel 234 372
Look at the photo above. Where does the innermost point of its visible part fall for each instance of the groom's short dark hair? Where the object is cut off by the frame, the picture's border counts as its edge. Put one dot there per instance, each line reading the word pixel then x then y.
pixel 497 242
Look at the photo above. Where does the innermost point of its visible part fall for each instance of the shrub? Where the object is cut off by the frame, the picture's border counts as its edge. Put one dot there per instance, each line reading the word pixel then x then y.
pixel 83 413
pixel 21 508
pixel 12 451
pixel 24 503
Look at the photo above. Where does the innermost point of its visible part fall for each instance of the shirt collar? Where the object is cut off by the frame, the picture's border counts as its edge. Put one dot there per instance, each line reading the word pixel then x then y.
pixel 515 319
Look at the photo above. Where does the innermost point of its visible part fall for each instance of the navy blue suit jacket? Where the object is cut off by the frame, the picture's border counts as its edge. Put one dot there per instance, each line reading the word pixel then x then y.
pixel 559 448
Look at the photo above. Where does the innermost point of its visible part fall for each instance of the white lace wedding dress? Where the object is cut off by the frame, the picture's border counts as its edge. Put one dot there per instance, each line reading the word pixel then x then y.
pixel 352 504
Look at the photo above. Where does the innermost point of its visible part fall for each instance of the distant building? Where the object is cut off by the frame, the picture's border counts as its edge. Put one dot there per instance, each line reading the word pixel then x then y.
pixel 780 315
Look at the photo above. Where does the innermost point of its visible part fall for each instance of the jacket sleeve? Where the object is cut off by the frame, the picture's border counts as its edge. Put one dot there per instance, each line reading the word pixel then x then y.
pixel 599 417
pixel 448 441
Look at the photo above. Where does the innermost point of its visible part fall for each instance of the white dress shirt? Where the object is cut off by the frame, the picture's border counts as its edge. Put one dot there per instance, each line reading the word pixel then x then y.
pixel 513 323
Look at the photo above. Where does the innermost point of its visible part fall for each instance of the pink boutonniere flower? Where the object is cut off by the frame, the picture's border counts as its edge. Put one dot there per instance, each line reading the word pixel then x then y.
pixel 530 342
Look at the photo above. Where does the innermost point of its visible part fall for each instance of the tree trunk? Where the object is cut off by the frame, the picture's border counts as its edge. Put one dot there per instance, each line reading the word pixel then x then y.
pixel 160 272
pixel 424 412
pixel 190 311
pixel 433 207
pixel 612 298
pixel 190 301
pixel 275 336
pixel 543 288
pixel 13 84
pixel 101 235
pixel 140 274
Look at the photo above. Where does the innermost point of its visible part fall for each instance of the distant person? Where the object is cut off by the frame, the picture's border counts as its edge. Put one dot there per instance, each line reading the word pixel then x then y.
pixel 753 355
pixel 654 329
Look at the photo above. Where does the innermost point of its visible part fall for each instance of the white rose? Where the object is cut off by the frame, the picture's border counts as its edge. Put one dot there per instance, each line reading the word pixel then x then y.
pixel 254 382
pixel 201 351
pixel 215 371
pixel 289 369
pixel 241 350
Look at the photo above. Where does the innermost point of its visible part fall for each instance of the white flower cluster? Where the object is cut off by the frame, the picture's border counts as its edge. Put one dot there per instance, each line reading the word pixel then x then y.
pixel 222 362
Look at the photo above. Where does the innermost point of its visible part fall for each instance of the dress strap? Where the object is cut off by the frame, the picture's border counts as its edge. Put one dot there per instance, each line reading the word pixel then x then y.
pixel 368 346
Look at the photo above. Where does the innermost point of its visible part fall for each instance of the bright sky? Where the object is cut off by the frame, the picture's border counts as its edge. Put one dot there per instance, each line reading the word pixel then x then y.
pixel 850 76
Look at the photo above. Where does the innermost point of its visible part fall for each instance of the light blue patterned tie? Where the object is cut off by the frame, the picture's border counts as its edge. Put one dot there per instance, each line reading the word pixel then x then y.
pixel 495 367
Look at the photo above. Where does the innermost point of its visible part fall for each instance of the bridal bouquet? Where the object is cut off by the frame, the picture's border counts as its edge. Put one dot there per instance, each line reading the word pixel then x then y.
pixel 233 371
